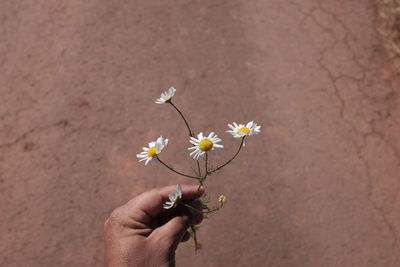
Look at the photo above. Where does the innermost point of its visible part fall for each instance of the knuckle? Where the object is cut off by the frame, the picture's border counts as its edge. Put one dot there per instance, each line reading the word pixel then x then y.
pixel 114 218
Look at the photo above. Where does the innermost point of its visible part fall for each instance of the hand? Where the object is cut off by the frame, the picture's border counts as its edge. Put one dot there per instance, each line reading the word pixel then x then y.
pixel 143 233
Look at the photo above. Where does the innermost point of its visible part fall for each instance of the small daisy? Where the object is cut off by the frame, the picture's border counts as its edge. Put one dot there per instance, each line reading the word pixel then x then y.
pixel 203 144
pixel 241 130
pixel 166 96
pixel 174 198
pixel 153 150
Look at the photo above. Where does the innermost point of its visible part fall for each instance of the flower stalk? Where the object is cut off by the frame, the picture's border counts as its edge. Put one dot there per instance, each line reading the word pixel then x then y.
pixel 191 134
pixel 234 156
pixel 175 171
pixel 183 117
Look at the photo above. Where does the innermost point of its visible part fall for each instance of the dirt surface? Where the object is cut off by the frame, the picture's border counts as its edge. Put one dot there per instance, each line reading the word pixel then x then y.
pixel 318 187
pixel 389 27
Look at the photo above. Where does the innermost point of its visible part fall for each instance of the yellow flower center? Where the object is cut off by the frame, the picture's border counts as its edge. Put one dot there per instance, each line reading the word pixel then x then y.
pixel 151 152
pixel 244 130
pixel 205 144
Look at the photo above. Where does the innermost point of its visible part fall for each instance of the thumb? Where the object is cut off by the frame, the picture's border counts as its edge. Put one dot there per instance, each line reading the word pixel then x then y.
pixel 175 228
pixel 173 231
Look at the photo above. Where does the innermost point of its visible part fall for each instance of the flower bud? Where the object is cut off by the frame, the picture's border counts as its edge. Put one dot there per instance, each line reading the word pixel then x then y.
pixel 222 200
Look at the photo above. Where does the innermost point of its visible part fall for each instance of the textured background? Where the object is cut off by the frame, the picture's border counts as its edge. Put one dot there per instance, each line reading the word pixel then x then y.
pixel 318 187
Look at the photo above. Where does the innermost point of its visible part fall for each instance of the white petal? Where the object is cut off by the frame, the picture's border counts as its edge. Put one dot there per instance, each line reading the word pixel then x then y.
pixel 171 196
pixel 158 147
pixel 179 190
pixel 249 125
pixel 148 160
pixel 160 144
pixel 167 206
pixel 231 126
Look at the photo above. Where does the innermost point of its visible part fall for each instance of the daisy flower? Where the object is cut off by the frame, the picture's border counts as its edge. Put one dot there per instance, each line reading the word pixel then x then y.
pixel 241 130
pixel 166 96
pixel 174 198
pixel 203 144
pixel 153 150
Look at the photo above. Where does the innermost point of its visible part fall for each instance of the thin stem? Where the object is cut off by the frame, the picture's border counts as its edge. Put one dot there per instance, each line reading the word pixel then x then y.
pixel 202 179
pixel 234 156
pixel 196 244
pixel 191 134
pixel 183 117
pixel 200 211
pixel 198 168
pixel 206 166
pixel 190 207
pixel 189 176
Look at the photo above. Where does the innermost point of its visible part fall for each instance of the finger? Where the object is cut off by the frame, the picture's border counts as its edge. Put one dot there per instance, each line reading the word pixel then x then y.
pixel 185 237
pixel 174 229
pixel 151 201
pixel 171 233
pixel 179 220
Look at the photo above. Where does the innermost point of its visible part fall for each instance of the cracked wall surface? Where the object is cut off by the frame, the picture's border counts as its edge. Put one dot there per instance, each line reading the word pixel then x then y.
pixel 318 187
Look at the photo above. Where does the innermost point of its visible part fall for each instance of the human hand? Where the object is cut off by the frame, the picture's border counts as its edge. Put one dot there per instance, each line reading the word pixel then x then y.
pixel 143 233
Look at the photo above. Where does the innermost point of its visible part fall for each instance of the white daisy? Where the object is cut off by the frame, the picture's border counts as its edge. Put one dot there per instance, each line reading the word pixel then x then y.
pixel 241 130
pixel 203 144
pixel 166 96
pixel 153 150
pixel 174 198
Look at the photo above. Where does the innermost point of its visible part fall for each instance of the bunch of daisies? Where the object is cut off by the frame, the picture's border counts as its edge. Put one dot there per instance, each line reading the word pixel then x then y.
pixel 201 145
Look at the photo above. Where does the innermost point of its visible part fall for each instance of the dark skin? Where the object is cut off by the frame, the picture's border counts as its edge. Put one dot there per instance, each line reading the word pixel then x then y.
pixel 143 233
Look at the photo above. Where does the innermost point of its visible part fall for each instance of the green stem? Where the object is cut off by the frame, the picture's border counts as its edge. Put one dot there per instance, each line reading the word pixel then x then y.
pixel 198 168
pixel 183 117
pixel 202 179
pixel 234 156
pixel 189 176
pixel 190 131
pixel 196 244
pixel 200 211
pixel 190 207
